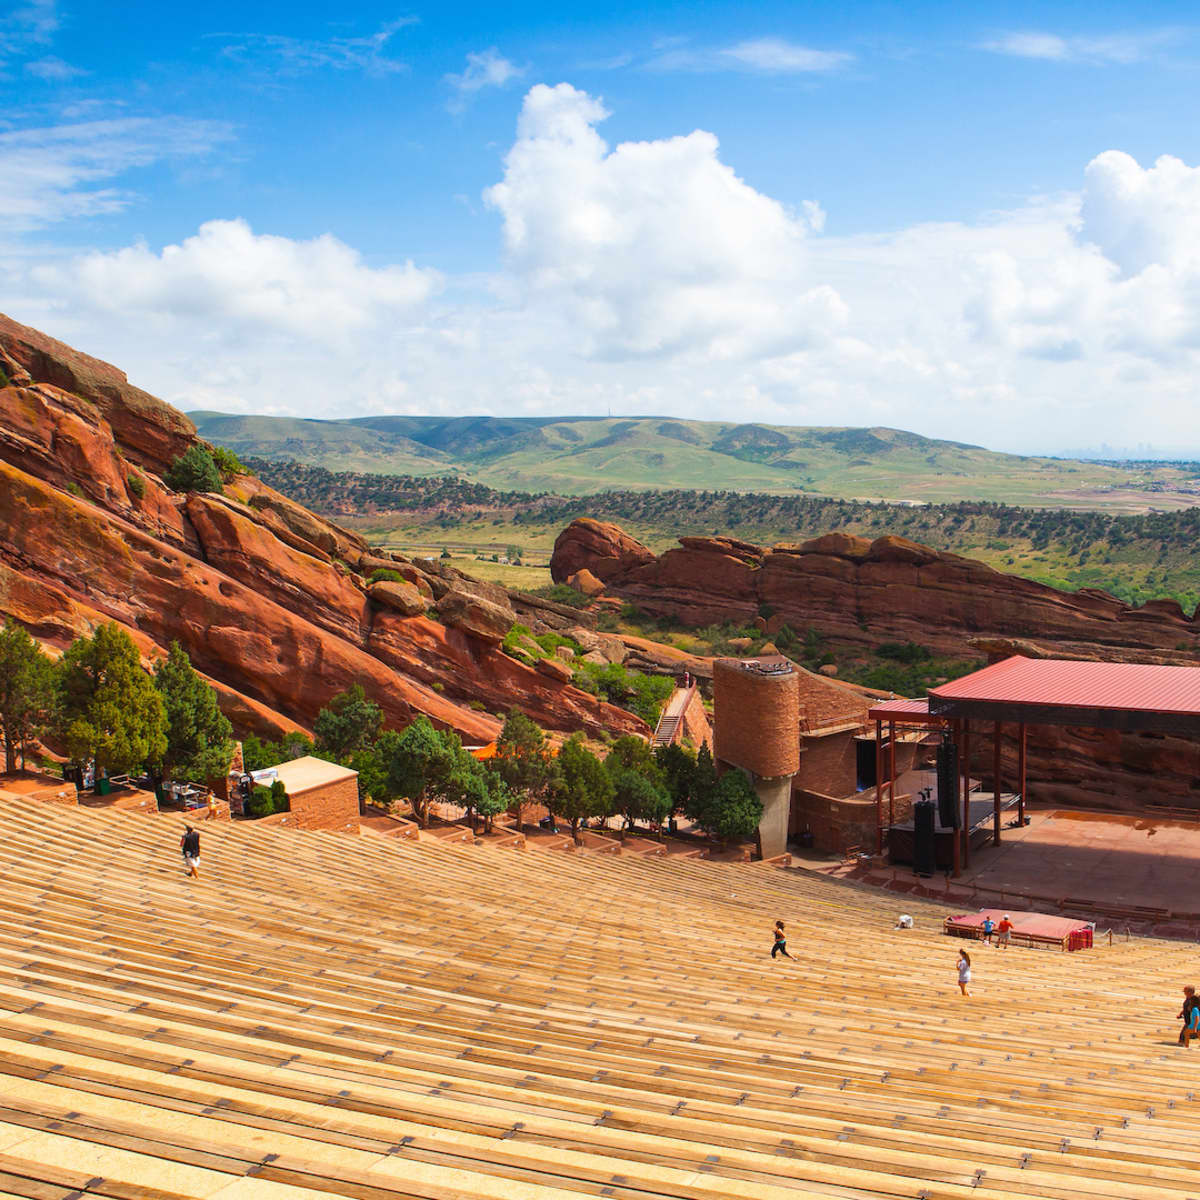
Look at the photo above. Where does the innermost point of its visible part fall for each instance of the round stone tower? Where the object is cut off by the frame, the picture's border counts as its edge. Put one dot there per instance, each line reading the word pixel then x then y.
pixel 756 727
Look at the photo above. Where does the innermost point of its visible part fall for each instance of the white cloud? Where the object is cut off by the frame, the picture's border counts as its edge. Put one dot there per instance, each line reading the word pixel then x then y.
pixel 298 56
pixel 52 174
pixel 1117 48
pixel 489 68
pixel 228 277
pixel 775 54
pixel 657 247
pixel 769 55
pixel 648 276
pixel 26 25
pixel 52 70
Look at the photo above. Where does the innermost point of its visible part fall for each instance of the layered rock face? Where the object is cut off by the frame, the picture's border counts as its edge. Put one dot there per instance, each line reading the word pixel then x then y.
pixel 861 591
pixel 272 603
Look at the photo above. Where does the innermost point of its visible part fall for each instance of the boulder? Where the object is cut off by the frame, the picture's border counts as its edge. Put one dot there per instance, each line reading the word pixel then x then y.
pixel 399 597
pixel 555 669
pixel 475 615
pixel 564 653
pixel 584 581
pixel 603 548
pixel 595 658
pixel 836 545
pixel 612 647
pixel 901 550
pixel 828 669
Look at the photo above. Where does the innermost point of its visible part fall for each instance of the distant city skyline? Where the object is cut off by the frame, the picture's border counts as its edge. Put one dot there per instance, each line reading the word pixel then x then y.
pixel 977 222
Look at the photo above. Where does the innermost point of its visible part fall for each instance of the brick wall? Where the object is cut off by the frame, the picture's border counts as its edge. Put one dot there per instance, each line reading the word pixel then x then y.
pixel 829 765
pixel 331 806
pixel 755 719
pixel 839 823
pixel 695 726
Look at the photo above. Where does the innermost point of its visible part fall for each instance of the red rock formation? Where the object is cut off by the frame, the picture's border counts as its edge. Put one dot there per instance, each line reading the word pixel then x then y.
pixel 599 546
pixel 856 591
pixel 269 600
pixel 860 592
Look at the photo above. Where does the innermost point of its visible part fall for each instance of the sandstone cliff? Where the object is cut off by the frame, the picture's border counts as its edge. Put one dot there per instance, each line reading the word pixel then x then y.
pixel 865 592
pixel 859 591
pixel 272 603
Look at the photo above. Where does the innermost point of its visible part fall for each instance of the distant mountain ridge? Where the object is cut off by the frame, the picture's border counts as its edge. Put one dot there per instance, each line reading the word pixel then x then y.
pixel 581 455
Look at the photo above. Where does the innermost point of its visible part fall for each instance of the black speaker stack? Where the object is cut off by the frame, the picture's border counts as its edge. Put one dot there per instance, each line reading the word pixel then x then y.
pixel 924 850
pixel 949 813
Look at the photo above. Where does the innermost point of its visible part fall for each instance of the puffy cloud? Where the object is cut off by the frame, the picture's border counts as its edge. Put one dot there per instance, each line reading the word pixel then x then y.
pixel 656 247
pixel 486 69
pixel 650 278
pixel 1139 217
pixel 226 276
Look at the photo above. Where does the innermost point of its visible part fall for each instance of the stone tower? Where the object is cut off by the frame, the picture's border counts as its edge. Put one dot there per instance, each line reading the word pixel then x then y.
pixel 756 728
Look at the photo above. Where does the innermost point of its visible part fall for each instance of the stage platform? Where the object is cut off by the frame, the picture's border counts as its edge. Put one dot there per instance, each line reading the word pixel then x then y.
pixel 980 811
pixel 1029 928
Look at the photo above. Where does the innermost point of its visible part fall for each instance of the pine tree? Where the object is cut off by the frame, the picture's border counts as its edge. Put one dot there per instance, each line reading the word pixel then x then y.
pixel 416 762
pixel 26 692
pixel 522 761
pixel 349 723
pixel 109 708
pixel 199 736
pixel 585 788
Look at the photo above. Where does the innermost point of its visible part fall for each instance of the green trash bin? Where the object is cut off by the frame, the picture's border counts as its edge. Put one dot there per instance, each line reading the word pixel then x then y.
pixel 104 788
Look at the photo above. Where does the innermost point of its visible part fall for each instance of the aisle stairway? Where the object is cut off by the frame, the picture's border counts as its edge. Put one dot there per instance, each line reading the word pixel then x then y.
pixel 378 1018
pixel 666 732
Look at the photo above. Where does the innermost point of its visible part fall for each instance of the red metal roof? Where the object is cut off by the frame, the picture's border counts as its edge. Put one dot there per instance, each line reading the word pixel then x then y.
pixel 1060 683
pixel 913 711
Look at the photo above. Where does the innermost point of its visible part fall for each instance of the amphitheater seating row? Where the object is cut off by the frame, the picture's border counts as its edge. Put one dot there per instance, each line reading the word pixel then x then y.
pixel 378 1017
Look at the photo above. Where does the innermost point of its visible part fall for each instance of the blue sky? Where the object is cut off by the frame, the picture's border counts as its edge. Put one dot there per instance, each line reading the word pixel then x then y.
pixel 945 217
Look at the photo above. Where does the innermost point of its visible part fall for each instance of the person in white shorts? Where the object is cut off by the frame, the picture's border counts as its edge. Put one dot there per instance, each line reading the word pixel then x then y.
pixel 964 972
pixel 190 845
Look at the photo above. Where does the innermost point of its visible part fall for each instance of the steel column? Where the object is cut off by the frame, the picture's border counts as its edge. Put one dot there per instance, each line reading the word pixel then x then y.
pixel 997 741
pixel 1021 775
pixel 891 772
pixel 879 785
pixel 966 824
pixel 954 838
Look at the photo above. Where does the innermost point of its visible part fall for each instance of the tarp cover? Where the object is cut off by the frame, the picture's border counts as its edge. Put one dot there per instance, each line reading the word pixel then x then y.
pixel 1030 924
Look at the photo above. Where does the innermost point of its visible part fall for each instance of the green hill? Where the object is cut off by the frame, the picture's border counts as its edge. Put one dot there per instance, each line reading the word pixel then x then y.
pixel 583 455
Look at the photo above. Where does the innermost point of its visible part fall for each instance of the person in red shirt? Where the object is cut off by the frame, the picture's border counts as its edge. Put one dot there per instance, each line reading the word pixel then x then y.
pixel 1004 931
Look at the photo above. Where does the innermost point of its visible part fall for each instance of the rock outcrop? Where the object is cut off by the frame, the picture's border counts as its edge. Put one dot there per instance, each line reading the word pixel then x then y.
pixel 272 603
pixel 600 547
pixel 861 592
pixel 857 591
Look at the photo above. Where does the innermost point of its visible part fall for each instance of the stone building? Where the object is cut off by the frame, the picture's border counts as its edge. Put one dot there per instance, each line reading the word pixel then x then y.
pixel 321 795
pixel 809 748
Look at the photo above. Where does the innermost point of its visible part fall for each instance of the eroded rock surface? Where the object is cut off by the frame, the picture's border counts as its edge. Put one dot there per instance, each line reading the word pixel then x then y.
pixel 271 601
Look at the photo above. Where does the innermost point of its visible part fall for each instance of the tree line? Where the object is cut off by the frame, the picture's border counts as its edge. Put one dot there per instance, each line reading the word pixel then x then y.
pixel 99 704
pixel 425 765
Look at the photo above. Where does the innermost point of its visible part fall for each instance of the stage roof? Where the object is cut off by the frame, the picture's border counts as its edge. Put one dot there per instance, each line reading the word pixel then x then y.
pixel 1049 691
pixel 904 712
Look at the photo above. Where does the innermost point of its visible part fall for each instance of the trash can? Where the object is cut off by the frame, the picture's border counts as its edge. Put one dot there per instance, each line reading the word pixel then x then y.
pixel 103 787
